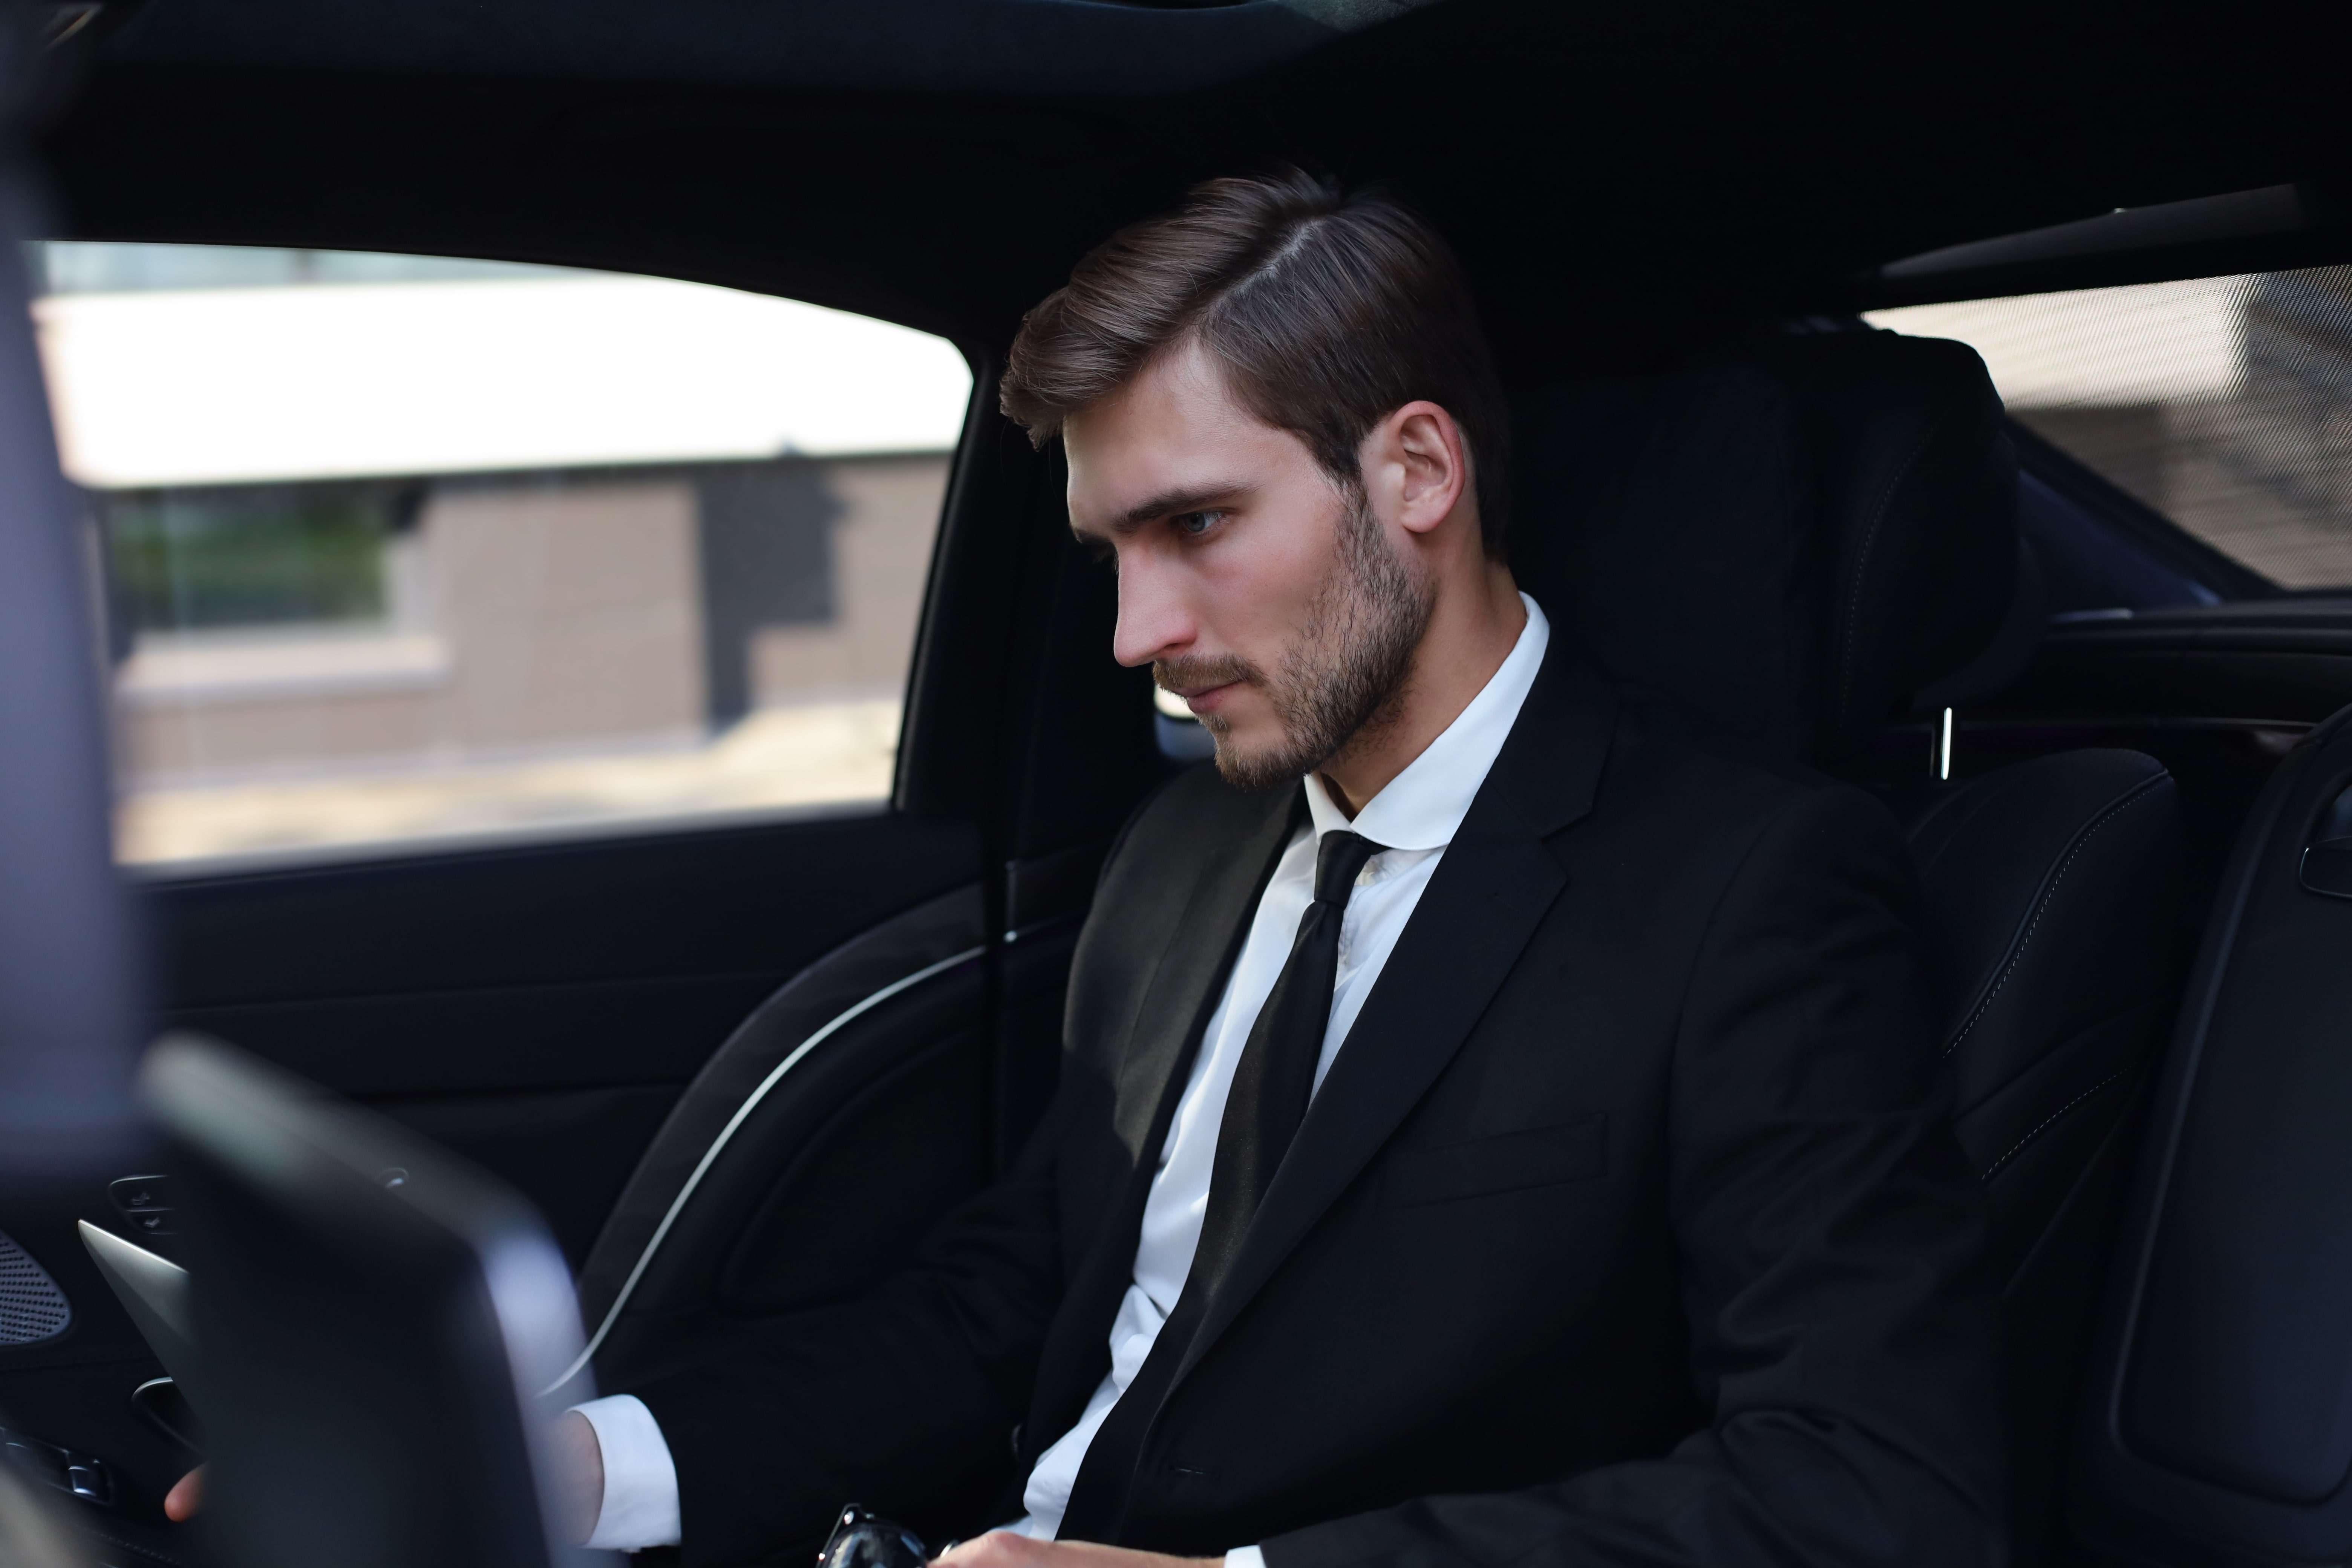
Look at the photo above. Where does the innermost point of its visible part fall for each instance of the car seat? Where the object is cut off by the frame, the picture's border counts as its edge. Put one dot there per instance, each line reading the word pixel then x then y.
pixel 1804 543
pixel 2217 1422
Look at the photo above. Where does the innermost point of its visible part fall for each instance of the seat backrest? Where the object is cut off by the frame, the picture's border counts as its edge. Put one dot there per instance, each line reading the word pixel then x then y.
pixel 2053 891
pixel 2217 1424
pixel 1801 542
pixel 2051 887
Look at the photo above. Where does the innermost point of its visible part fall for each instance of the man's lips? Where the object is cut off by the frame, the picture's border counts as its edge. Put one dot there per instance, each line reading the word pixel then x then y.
pixel 1205 699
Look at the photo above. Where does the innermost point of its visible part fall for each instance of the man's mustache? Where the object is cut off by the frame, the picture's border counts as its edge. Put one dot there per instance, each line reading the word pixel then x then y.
pixel 1190 676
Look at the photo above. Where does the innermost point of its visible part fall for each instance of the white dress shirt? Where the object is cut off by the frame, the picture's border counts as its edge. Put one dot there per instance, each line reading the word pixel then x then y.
pixel 1415 818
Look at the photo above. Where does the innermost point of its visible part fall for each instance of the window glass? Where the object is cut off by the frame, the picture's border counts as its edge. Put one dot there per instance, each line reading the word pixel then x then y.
pixel 1182 737
pixel 2224 403
pixel 403 549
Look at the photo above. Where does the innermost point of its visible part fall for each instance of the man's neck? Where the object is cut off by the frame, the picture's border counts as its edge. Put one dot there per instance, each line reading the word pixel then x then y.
pixel 1472 629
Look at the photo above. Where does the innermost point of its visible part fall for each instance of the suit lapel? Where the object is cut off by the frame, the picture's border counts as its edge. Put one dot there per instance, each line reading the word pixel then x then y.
pixel 1178 1001
pixel 1189 977
pixel 1496 882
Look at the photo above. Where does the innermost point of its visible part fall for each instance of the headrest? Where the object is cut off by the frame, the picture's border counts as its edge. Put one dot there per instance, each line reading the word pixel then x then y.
pixel 1798 542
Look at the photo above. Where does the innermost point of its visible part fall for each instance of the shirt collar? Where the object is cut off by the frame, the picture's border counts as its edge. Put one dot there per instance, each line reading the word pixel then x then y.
pixel 1422 807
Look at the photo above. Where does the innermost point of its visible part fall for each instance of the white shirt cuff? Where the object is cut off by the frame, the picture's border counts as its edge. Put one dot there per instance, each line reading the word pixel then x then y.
pixel 640 1506
pixel 1244 1557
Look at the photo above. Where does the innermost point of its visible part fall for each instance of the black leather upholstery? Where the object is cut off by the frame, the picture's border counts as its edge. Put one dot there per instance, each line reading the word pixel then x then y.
pixel 1799 543
pixel 2218 1424
pixel 1791 543
pixel 2053 889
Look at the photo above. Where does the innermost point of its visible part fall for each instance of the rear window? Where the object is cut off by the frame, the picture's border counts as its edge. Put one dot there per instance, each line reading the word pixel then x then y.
pixel 2223 403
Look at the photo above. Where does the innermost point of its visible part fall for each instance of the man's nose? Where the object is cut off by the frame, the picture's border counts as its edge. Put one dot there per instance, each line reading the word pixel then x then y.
pixel 1153 621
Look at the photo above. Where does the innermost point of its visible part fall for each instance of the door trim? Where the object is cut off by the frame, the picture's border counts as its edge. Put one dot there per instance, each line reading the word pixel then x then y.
pixel 742 1113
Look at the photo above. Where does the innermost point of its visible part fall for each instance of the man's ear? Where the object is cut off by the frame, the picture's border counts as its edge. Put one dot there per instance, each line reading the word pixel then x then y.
pixel 1418 453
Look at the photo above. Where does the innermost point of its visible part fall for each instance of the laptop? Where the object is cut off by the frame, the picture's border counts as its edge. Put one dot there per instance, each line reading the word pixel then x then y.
pixel 363 1326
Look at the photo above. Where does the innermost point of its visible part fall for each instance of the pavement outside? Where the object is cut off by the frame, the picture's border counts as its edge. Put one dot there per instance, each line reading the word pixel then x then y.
pixel 776 757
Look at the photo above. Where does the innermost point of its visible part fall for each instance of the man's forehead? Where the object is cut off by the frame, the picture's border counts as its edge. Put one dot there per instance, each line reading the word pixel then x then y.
pixel 1175 428
pixel 1178 396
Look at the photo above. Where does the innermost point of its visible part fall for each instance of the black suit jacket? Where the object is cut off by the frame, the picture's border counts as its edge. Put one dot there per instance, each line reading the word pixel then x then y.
pixel 1625 1228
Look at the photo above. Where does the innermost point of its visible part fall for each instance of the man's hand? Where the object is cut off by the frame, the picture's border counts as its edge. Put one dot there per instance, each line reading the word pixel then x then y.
pixel 579 1475
pixel 186 1496
pixel 1002 1548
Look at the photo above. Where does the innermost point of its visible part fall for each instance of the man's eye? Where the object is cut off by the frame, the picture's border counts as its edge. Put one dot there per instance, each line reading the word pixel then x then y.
pixel 1192 524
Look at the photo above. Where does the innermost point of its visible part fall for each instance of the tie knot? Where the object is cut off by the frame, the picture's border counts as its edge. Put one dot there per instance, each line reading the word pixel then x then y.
pixel 1338 860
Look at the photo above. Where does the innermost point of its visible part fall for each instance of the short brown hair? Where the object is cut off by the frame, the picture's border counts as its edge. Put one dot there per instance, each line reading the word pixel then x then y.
pixel 1328 310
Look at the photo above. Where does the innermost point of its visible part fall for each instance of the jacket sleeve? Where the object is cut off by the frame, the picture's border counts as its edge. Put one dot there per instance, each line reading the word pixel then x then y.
pixel 1842 1330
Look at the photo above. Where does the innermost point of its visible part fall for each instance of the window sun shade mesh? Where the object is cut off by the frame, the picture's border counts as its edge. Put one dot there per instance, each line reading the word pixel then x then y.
pixel 2223 403
pixel 32 1308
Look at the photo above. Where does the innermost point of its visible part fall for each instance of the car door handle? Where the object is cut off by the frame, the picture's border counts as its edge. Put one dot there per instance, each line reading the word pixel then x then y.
pixel 2327 868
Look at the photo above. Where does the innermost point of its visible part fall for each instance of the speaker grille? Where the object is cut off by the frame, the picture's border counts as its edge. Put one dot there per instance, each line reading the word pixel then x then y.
pixel 31 1306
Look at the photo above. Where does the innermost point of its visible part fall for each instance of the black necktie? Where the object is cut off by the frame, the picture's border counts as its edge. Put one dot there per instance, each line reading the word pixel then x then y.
pixel 1272 1084
pixel 1276 1076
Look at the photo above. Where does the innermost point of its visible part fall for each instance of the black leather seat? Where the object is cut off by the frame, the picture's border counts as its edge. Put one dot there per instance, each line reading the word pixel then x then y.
pixel 1809 541
pixel 2217 1425
pixel 2053 888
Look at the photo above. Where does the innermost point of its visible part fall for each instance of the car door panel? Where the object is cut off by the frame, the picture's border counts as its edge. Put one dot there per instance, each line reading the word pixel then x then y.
pixel 747 899
pixel 492 1039
pixel 538 1006
pixel 565 1147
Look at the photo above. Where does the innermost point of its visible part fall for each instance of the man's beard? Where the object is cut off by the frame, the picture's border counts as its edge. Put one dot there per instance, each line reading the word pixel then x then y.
pixel 1341 681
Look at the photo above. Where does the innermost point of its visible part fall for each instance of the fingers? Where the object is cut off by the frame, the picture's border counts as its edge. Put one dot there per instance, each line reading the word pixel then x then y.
pixel 1004 1549
pixel 997 1549
pixel 186 1496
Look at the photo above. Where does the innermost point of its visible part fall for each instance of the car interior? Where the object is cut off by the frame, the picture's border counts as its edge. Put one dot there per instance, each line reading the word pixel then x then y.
pixel 1958 403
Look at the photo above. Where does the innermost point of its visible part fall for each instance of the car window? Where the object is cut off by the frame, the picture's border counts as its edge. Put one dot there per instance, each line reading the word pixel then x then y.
pixel 2223 403
pixel 1183 738
pixel 400 549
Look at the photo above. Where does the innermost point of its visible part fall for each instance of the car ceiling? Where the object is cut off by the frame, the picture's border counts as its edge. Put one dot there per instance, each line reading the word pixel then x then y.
pixel 1618 178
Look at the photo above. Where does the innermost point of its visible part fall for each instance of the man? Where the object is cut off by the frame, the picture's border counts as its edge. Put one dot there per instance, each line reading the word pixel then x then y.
pixel 1494 1127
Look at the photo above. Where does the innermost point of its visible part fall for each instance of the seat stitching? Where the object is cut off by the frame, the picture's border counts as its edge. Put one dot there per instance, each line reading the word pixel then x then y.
pixel 2049 892
pixel 2014 1149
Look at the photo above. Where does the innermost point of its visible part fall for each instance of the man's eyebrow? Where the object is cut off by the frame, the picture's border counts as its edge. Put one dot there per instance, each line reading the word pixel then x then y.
pixel 1167 503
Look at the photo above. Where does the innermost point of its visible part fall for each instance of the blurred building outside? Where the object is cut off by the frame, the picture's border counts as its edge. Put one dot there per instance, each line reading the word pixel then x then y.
pixel 2223 403
pixel 402 550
